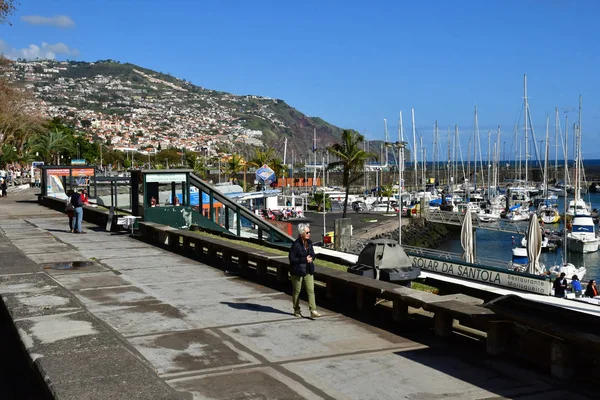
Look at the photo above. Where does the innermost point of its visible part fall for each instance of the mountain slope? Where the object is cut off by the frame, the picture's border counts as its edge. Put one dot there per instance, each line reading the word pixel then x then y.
pixel 130 106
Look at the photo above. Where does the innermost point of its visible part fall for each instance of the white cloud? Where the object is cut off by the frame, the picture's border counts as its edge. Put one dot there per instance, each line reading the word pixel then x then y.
pixel 33 51
pixel 59 21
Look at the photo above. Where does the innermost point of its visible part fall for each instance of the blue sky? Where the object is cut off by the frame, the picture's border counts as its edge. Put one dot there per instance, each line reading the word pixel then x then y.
pixel 353 63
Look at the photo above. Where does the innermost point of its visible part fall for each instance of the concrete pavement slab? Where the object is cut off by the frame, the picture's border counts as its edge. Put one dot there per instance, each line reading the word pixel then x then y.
pixel 257 383
pixel 90 280
pixel 135 386
pixel 115 297
pixel 145 319
pixel 236 311
pixel 164 260
pixel 57 257
pixel 106 254
pixel 122 243
pixel 413 374
pixel 188 351
pixel 34 295
pixel 172 274
pixel 208 292
pixel 65 333
pixel 56 247
pixel 301 338
pixel 57 269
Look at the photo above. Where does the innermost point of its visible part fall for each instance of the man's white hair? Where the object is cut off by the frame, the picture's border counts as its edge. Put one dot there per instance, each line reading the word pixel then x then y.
pixel 302 228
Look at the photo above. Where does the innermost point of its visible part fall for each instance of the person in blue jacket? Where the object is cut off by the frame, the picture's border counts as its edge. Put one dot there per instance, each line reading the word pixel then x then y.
pixel 302 269
pixel 576 286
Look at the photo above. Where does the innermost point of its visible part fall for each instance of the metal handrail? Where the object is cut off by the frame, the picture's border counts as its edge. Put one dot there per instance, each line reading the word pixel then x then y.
pixel 274 233
pixel 457 218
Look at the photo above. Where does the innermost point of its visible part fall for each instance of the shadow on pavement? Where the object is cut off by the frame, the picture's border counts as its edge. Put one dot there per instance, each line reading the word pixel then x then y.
pixel 255 307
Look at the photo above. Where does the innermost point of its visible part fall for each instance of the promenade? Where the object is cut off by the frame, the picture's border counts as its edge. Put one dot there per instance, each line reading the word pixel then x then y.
pixel 106 316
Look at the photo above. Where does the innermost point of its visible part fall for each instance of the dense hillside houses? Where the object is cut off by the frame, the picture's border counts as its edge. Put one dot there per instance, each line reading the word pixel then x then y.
pixel 128 106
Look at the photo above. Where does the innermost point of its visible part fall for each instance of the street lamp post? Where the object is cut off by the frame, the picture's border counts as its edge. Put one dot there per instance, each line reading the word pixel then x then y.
pixel 400 146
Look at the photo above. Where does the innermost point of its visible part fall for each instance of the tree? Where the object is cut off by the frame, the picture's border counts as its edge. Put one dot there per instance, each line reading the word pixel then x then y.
pixel 233 166
pixel 278 167
pixel 50 144
pixel 318 200
pixel 7 8
pixel 387 191
pixel 262 157
pixel 351 158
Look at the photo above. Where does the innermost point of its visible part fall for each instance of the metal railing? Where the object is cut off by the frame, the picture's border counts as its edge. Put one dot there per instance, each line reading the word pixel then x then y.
pixel 457 218
pixel 453 257
pixel 273 234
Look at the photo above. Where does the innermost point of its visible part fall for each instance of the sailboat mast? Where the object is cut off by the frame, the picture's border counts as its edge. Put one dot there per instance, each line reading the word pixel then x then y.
pixel 546 157
pixel 436 173
pixel 526 110
pixel 579 164
pixel 556 142
pixel 497 180
pixel 448 166
pixel 387 139
pixel 475 129
pixel 566 154
pixel 314 149
pixel 414 133
pixel 489 160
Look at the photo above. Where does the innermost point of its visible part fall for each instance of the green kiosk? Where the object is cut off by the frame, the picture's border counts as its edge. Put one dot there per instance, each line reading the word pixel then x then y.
pixel 166 197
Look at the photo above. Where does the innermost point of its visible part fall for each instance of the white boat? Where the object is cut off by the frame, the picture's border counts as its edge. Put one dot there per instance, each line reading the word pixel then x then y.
pixel 518 215
pixel 577 207
pixel 545 243
pixel 582 238
pixel 569 270
pixel 549 215
pixel 519 259
pixel 488 215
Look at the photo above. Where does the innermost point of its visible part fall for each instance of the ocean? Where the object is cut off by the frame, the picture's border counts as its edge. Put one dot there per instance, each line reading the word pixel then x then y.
pixel 498 245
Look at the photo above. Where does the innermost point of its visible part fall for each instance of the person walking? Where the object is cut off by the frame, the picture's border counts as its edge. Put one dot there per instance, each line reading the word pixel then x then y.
pixel 4 187
pixel 560 284
pixel 302 256
pixel 77 202
pixel 591 290
pixel 70 209
pixel 576 286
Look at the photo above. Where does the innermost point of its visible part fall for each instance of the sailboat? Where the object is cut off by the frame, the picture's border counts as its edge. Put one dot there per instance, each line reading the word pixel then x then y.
pixel 566 267
pixel 582 237
pixel 547 211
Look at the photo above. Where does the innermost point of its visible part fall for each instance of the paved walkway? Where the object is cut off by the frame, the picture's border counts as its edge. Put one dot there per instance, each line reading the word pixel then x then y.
pixel 137 321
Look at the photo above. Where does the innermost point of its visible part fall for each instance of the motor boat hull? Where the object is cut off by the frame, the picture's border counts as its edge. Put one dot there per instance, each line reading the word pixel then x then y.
pixel 582 246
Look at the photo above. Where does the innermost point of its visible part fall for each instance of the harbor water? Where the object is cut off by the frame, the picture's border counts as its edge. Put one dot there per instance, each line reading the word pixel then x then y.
pixel 499 245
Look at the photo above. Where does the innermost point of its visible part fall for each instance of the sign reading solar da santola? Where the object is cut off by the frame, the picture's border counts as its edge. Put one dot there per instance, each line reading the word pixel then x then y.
pixel 265 175
pixel 493 276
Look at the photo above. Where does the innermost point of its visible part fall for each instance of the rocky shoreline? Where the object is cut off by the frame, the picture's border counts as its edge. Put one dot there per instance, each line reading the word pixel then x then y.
pixel 418 233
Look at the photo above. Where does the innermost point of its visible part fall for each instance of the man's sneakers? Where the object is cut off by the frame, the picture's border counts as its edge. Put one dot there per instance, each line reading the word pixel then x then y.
pixel 297 314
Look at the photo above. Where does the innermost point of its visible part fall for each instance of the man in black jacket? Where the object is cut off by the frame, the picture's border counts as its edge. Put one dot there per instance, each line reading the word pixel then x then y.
pixel 302 255
pixel 560 284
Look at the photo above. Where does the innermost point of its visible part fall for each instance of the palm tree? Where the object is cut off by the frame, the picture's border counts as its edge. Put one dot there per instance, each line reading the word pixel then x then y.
pixel 262 157
pixel 387 191
pixel 50 144
pixel 234 165
pixel 351 158
pixel 279 168
pixel 318 199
